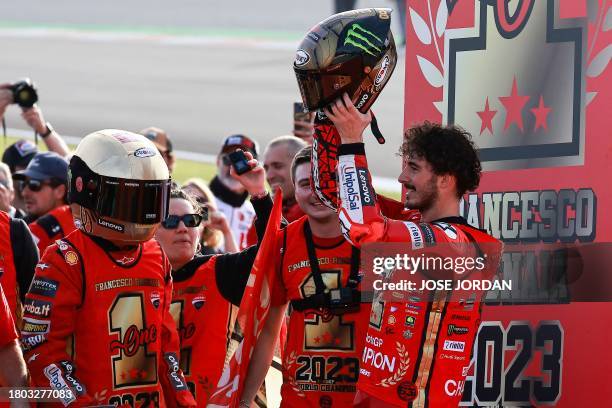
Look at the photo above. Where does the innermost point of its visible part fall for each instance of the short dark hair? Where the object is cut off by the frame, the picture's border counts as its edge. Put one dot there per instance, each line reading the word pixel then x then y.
pixel 301 157
pixel 448 149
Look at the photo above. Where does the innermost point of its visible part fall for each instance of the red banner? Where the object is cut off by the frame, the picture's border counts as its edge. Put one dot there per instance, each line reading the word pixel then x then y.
pixel 529 80
pixel 252 315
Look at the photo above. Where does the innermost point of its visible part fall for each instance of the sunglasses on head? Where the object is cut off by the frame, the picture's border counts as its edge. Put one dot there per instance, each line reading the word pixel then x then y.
pixel 190 221
pixel 34 185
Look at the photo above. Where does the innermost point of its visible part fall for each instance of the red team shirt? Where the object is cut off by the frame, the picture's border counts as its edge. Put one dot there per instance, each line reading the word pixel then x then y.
pixel 417 351
pixel 203 318
pixel 100 325
pixel 8 333
pixel 8 275
pixel 321 357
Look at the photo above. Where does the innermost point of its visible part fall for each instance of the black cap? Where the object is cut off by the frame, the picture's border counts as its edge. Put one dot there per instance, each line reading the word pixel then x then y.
pixel 19 154
pixel 44 166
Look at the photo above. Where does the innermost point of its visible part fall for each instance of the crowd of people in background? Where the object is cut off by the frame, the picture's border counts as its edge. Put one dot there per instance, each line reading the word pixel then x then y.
pixel 122 286
pixel 212 226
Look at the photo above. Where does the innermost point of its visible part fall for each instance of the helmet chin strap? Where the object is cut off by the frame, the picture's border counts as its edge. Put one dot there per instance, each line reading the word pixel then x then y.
pixel 376 130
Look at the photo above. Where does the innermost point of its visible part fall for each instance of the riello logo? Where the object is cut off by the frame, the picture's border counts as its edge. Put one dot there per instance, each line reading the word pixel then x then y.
pixel 515 82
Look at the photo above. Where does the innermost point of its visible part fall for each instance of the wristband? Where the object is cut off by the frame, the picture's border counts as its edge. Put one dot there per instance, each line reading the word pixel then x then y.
pixel 259 196
pixel 48 131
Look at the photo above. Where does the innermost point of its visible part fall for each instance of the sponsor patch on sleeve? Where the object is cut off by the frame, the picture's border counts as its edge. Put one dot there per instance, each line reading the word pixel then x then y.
pixel 68 369
pixel 56 380
pixel 365 188
pixel 415 235
pixel 31 342
pixel 428 234
pixel 38 308
pixel 35 326
pixel 174 375
pixel 44 287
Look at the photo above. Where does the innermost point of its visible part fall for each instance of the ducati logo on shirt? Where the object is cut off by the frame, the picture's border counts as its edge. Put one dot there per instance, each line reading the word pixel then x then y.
pixel 198 301
pixel 155 299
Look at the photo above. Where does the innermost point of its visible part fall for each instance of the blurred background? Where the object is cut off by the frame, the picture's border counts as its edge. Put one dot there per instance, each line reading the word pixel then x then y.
pixel 201 70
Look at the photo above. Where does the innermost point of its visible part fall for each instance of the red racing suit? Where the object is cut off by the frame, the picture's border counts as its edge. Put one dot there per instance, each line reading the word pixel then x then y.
pixel 417 350
pixel 54 225
pixel 100 325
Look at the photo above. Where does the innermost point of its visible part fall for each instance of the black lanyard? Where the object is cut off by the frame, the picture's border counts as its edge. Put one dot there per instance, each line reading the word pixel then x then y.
pixel 353 280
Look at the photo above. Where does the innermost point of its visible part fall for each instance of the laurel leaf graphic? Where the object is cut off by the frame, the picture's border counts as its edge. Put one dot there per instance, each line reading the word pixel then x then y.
pixel 439 106
pixel 592 10
pixel 589 97
pixel 608 21
pixel 420 27
pixel 441 18
pixel 430 72
pixel 600 62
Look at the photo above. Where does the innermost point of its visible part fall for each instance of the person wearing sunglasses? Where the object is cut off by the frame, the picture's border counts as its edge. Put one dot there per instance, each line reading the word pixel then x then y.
pixel 43 187
pixel 43 184
pixel 205 288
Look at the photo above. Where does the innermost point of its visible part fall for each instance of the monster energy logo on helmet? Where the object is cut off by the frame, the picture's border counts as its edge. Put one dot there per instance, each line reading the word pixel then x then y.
pixel 363 39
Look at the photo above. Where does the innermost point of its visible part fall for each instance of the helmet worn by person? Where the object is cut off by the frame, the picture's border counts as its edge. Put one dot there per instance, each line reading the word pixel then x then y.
pixel 119 186
pixel 351 52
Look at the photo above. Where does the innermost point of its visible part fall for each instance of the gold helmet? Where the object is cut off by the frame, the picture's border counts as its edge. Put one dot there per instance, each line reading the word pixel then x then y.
pixel 119 186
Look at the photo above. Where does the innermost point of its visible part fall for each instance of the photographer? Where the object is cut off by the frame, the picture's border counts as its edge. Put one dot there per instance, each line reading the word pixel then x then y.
pixel 23 93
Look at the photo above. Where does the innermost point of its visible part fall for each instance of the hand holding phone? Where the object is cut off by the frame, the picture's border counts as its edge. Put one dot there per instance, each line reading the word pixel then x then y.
pixel 303 122
pixel 239 162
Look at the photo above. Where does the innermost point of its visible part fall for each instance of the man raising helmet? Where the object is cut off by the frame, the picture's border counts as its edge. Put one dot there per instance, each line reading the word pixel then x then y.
pixel 102 331
pixel 353 53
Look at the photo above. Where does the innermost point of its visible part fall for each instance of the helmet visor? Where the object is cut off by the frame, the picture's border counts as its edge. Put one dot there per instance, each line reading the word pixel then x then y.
pixel 319 88
pixel 310 88
pixel 135 201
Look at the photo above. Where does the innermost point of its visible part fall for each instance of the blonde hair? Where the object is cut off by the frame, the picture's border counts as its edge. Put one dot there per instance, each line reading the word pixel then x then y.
pixel 5 169
pixel 210 237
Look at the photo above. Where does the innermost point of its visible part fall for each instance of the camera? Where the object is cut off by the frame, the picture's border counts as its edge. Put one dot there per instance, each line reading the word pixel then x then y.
pixel 24 93
pixel 344 300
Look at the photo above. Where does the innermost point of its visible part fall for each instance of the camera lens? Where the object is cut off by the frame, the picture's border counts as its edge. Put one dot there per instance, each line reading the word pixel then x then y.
pixel 24 93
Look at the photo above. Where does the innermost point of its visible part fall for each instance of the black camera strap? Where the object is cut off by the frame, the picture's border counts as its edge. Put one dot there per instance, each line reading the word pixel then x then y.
pixel 321 298
pixel 353 280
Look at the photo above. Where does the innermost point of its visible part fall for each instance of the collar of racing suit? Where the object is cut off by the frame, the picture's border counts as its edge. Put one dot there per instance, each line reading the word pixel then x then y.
pixel 114 252
pixel 458 220
pixel 225 194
